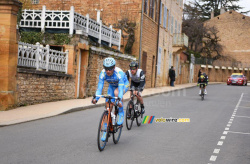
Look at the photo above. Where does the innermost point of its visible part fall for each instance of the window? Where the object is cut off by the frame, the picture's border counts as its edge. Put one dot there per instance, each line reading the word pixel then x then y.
pixel 165 17
pixel 169 19
pixel 35 1
pixel 145 6
pixel 175 26
pixel 144 62
pixel 151 9
pixel 156 11
pixel 159 62
pixel 160 13
pixel 179 28
pixel 170 60
pixel 172 25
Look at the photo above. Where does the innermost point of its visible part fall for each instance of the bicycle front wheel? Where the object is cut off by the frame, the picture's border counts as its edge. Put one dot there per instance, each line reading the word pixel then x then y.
pixel 202 94
pixel 130 118
pixel 117 130
pixel 103 131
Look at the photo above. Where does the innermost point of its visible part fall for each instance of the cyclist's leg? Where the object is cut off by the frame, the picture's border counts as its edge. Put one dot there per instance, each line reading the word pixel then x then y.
pixel 120 111
pixel 200 90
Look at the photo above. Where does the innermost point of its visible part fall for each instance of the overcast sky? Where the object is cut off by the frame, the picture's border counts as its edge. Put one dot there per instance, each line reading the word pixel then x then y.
pixel 242 3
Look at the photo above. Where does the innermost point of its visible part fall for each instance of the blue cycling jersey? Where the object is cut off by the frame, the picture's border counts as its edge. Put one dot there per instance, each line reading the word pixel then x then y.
pixel 118 79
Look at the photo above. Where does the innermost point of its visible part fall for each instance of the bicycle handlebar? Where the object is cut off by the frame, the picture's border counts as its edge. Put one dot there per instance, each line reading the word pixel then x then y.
pixel 106 96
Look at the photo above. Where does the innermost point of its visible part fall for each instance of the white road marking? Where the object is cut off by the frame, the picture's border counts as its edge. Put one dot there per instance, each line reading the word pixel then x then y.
pixel 225 132
pixel 244 106
pixel 220 143
pixel 223 137
pixel 213 158
pixel 242 116
pixel 216 151
pixel 238 132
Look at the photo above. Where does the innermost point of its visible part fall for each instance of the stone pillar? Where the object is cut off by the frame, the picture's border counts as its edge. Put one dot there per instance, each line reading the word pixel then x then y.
pixel 8 52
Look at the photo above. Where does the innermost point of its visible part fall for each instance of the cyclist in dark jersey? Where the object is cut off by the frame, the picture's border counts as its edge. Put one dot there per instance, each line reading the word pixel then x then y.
pixel 137 80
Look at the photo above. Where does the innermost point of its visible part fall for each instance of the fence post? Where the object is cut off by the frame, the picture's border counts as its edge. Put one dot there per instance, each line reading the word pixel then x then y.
pixel 47 58
pixel 110 41
pixel 66 63
pixel 87 25
pixel 120 35
pixel 100 33
pixel 37 55
pixel 71 20
pixel 43 19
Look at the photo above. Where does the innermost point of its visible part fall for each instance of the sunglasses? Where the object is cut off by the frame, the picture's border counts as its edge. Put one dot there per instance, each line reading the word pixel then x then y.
pixel 133 68
pixel 109 69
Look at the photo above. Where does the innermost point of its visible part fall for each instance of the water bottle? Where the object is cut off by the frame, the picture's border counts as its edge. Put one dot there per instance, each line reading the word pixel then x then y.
pixel 113 118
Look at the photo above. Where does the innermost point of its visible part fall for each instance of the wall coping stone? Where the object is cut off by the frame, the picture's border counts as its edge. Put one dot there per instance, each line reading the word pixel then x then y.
pixel 32 71
pixel 105 52
pixel 210 66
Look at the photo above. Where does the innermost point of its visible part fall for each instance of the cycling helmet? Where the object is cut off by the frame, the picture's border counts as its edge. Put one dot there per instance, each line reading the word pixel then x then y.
pixel 202 77
pixel 109 62
pixel 133 64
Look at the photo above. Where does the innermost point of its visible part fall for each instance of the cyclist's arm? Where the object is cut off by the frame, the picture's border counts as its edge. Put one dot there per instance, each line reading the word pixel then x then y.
pixel 120 84
pixel 142 80
pixel 100 85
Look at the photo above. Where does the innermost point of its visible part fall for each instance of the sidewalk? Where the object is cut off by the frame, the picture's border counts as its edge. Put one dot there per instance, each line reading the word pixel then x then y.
pixel 39 111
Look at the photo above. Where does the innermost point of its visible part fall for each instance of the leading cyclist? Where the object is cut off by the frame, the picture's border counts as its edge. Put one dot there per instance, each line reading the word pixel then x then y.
pixel 118 84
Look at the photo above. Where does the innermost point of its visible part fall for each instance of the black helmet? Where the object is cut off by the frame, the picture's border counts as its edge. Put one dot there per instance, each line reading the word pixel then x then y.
pixel 133 64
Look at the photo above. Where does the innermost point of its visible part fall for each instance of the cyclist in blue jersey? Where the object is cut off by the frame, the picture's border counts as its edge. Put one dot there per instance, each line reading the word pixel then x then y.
pixel 118 84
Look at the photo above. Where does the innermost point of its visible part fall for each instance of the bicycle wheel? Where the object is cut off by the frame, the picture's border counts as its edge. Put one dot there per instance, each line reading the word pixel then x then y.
pixel 117 130
pixel 103 131
pixel 129 121
pixel 139 116
pixel 202 94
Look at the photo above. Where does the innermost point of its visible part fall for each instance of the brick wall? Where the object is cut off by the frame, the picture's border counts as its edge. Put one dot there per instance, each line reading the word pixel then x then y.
pixel 234 34
pixel 38 87
pixel 95 66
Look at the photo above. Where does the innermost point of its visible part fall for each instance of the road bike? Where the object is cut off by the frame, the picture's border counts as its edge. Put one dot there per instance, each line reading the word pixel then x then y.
pixel 202 85
pixel 135 112
pixel 105 125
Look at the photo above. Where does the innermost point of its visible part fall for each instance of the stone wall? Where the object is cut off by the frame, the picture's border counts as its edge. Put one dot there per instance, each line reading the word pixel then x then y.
pixel 35 87
pixel 217 75
pixel 94 69
pixel 234 35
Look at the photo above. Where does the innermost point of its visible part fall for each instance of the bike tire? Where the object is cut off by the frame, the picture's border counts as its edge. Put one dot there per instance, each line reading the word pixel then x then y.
pixel 129 121
pixel 139 116
pixel 202 94
pixel 117 130
pixel 101 144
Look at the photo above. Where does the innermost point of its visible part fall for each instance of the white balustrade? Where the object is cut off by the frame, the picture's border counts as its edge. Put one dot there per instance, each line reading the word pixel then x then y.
pixel 70 20
pixel 39 57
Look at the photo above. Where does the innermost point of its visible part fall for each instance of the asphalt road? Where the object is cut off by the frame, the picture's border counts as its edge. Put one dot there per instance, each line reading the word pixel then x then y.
pixel 209 137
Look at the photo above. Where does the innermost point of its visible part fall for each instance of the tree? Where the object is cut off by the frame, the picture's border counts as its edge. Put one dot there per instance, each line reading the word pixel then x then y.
pixel 206 6
pixel 128 27
pixel 211 47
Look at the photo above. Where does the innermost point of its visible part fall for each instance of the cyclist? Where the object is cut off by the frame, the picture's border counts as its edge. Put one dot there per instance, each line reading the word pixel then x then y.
pixel 118 85
pixel 137 80
pixel 202 79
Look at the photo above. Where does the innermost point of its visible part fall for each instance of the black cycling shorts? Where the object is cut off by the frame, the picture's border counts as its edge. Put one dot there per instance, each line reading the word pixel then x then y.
pixel 136 85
